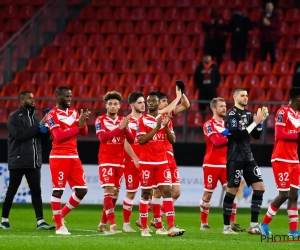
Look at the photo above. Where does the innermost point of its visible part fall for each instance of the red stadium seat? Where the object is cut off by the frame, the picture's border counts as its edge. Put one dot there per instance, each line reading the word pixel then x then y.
pixel 26 11
pixel 177 27
pixel 135 53
pixel 160 27
pixel 152 54
pixel 292 15
pixel 104 13
pixel 166 3
pixel 125 27
pixel 169 54
pixel 227 68
pixel 121 13
pixel 286 42
pixel 110 79
pixel 57 78
pixel 121 66
pixel 49 51
pixel 182 77
pixel 295 29
pixel 3 37
pixel 118 53
pixel 138 14
pixel 40 78
pixel 222 92
pixel 285 4
pixel 219 3
pixel 164 41
pixel 127 79
pixel 251 81
pixel 74 78
pixel 253 41
pixel 281 68
pixel 22 50
pixel 201 3
pixel 197 42
pixel 187 54
pixel 262 68
pixel 130 40
pixel 87 65
pixel 83 52
pixel 256 94
pixel 182 41
pixel 13 25
pixel 23 77
pixel 245 68
pixel 157 67
pixel 285 82
pixel 189 14
pixel 53 65
pixel 172 14
pixel 93 26
pixel 66 52
pixel 96 40
pixel 70 65
pixel 48 25
pixel 275 95
pixel 194 28
pixel 10 11
pixel 104 66
pixel 139 66
pixel 100 53
pixel 45 91
pixel 142 27
pixel 3 114
pixel 155 14
pixel 284 28
pixel 87 13
pixel 97 90
pixel 9 90
pixel 92 79
pixel 268 82
pixel 113 40
pixel 145 79
pixel 233 81
pixel 79 40
pixel 36 64
pixel 62 39
pixel 75 26
pixel 147 41
pixel 190 67
pixel 255 14
pixel 162 79
pixel 174 67
pixel 292 56
pixel 108 27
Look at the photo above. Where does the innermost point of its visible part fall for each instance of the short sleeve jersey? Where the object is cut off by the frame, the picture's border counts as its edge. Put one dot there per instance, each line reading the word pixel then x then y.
pixel 111 153
pixel 214 156
pixel 136 147
pixel 154 151
pixel 64 120
pixel 287 151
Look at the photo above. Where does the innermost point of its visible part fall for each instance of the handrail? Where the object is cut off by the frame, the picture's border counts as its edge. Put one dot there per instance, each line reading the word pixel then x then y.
pixel 24 27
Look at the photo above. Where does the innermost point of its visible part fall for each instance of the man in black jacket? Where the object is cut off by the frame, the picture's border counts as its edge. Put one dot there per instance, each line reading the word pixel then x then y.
pixel 207 78
pixel 240 162
pixel 25 132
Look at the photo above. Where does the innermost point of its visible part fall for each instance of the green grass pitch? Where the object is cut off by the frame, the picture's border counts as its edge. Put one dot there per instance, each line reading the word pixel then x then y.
pixel 83 221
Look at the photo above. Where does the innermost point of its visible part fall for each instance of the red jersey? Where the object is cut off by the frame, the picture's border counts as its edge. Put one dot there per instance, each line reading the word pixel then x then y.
pixel 136 147
pixel 63 119
pixel 111 153
pixel 286 151
pixel 169 146
pixel 154 151
pixel 214 156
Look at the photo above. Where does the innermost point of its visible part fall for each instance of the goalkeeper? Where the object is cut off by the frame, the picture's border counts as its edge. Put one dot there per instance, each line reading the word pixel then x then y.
pixel 240 162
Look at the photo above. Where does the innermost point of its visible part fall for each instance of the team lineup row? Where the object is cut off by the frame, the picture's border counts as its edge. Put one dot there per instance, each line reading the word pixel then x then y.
pixel 139 147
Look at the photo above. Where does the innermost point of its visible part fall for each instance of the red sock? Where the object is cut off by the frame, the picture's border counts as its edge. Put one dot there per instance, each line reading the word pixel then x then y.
pixel 204 211
pixel 233 214
pixel 170 214
pixel 115 198
pixel 144 213
pixel 56 209
pixel 127 209
pixel 109 208
pixel 156 212
pixel 270 214
pixel 73 202
pixel 150 205
pixel 293 218
pixel 103 217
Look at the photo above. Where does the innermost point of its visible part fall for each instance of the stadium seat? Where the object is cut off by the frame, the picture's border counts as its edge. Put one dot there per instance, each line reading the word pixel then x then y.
pixel 96 90
pixel 53 65
pixel 245 68
pixel 48 25
pixel 286 4
pixel 66 52
pixel 9 90
pixel 130 40
pixel 256 94
pixel 268 82
pixel 169 54
pixel 13 25
pixel 281 68
pixel 95 40
pixel 87 65
pixel 45 90
pixel 91 79
pixel 253 41
pixel 104 66
pixel 164 41
pixel 201 3
pixel 121 66
pixel 135 53
pixel 80 90
pixel 145 79
pixel 284 28
pixel 251 81
pixel 110 79
pixel 57 78
pixel 198 42
pixel 26 11
pixel 275 94
pixel 187 54
pixel 100 53
pixel 279 55
pixel 121 13
pixel 292 56
pixel 49 51
pixel 118 53
pixel 93 26
pixel 62 39
pixel 108 27
pixel 148 89
pixel 233 81
pixel 292 15
pixel 75 78
pixel 152 53
pixel 3 114
pixel 255 14
pixel 285 82
pixel 188 14
pixel 79 40
pixel 219 3
pixel 286 42
pixel 70 65
pixel 177 27
pixel 157 66
pixel 10 11
pixel 182 41
pixel 83 52
pixel 22 77
pixel 113 40
pixel 182 77
pixel 138 14
pixel 87 13
pixel 171 14
pixel 227 68
pixel 75 26
pixel 160 27
pixel 223 92
pixel 127 79
pixel 155 14
pixel 40 78
pixel 162 79
pixel 295 29
pixel 147 41
pixel 190 67
pixel 125 27
pixel 195 120
pixel 139 66
pixel 36 64
pixel 204 14
pixel 12 104
pixel 174 67
pixel 194 28
pixel 262 68
pixel 130 89
pixel 142 27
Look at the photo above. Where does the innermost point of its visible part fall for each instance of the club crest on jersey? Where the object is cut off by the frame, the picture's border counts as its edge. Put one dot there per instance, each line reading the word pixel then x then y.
pixel 98 126
pixel 51 122
pixel 233 123
pixel 280 117
pixel 208 128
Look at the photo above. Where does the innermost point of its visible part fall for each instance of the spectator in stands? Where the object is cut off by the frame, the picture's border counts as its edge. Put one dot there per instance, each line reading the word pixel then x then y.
pixel 207 78
pixel 269 25
pixel 239 27
pixel 215 38
pixel 296 75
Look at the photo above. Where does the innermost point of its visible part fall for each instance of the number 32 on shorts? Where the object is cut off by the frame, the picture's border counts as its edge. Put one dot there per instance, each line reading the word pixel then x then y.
pixel 283 176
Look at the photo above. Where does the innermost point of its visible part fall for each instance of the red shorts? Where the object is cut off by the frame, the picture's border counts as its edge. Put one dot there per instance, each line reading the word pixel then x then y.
pixel 65 170
pixel 286 175
pixel 174 169
pixel 111 176
pixel 131 175
pixel 212 176
pixel 155 175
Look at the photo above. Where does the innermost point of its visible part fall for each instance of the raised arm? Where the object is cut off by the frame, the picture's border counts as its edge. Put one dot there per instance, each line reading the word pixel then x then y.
pixel 173 104
pixel 185 104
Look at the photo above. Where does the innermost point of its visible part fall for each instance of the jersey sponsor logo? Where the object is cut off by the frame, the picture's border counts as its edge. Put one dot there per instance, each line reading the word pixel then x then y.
pixel 110 126
pixel 149 123
pixel 158 137
pixel 98 126
pixel 256 171
pixel 167 174
pixel 233 123
pixel 231 113
pixel 116 140
pixel 208 128
pixel 69 120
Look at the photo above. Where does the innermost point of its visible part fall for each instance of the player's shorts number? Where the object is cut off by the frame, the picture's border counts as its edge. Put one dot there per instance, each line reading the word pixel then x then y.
pixel 129 179
pixel 283 176
pixel 238 173
pixel 145 174
pixel 209 179
pixel 60 176
pixel 106 172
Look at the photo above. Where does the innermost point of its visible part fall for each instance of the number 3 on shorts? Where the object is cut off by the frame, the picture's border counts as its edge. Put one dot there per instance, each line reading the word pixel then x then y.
pixel 60 176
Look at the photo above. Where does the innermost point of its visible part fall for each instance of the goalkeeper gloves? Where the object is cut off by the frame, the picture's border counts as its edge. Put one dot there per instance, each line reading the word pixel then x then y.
pixel 265 113
pixel 180 85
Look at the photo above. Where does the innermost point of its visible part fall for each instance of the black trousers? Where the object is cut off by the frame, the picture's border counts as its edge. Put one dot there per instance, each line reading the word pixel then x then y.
pixel 33 177
pixel 268 48
pixel 238 52
pixel 206 93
